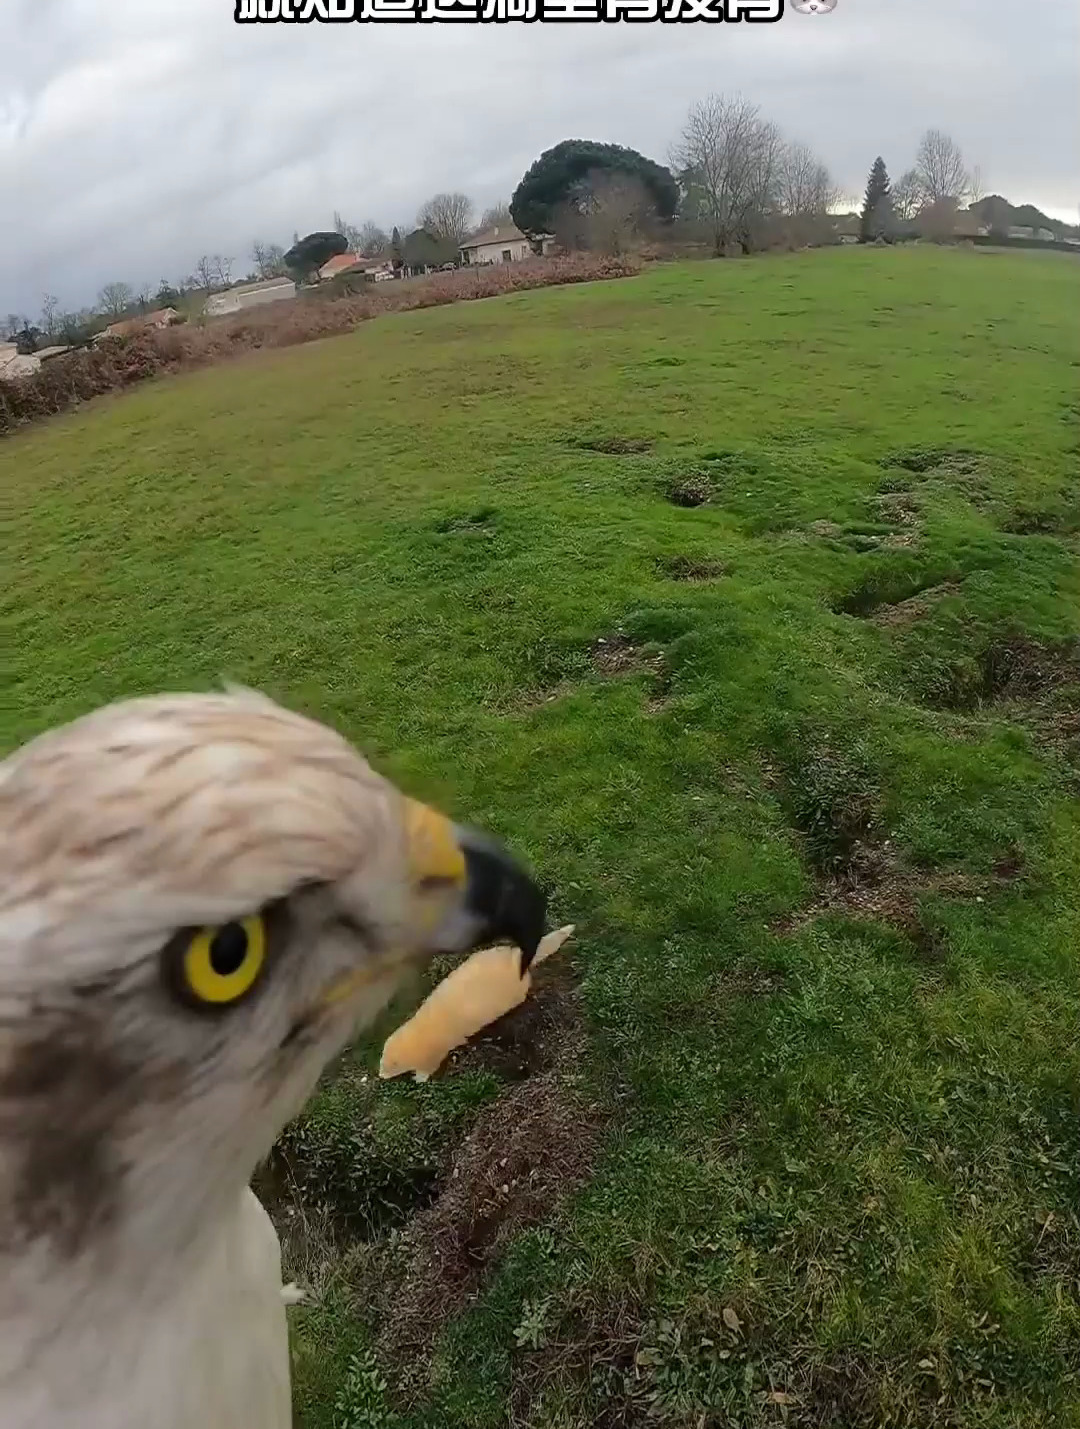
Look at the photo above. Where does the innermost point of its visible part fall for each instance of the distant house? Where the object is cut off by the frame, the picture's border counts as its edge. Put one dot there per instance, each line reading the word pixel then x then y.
pixel 14 363
pixel 344 263
pixel 356 265
pixel 249 295
pixel 1043 235
pixel 159 318
pixel 847 228
pixel 503 243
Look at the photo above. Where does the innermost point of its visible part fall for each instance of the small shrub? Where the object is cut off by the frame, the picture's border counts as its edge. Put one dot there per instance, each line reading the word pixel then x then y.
pixel 361 1401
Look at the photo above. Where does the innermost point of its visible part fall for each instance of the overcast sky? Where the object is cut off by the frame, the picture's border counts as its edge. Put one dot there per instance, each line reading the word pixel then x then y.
pixel 137 134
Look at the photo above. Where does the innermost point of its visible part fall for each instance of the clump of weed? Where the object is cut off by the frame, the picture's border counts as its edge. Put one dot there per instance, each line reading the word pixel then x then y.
pixel 836 806
pixel 1059 517
pixel 691 568
pixel 616 445
pixel 477 520
pixel 692 489
pixel 923 459
pixel 361 1402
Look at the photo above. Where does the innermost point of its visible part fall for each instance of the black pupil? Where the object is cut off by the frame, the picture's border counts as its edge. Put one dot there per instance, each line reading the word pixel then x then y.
pixel 228 949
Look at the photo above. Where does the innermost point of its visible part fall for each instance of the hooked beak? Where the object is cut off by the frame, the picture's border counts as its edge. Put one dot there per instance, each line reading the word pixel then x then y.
pixel 506 899
pixel 499 900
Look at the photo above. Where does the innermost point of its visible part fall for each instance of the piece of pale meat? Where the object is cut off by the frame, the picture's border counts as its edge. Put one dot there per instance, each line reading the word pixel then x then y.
pixel 478 992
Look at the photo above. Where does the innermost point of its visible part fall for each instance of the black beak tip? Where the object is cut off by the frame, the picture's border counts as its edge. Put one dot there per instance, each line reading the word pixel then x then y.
pixel 510 902
pixel 532 922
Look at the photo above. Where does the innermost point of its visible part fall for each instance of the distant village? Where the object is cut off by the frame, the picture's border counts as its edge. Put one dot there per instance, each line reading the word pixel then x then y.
pixel 614 201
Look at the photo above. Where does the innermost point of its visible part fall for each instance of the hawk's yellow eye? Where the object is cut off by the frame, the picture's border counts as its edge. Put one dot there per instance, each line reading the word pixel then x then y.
pixel 220 965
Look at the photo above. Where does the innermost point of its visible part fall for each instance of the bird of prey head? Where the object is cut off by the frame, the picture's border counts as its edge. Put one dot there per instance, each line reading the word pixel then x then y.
pixel 203 897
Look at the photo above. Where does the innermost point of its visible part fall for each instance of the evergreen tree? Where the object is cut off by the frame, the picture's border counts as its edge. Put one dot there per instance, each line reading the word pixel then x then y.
pixel 878 219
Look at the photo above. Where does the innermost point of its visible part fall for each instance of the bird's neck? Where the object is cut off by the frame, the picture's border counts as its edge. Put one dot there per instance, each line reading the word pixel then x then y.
pixel 105 1353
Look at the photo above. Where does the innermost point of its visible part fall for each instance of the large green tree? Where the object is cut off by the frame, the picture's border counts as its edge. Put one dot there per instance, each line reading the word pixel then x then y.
pixel 308 254
pixel 562 176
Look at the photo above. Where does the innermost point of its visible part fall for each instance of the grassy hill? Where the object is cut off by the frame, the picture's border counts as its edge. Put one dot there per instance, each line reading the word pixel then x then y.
pixel 742 598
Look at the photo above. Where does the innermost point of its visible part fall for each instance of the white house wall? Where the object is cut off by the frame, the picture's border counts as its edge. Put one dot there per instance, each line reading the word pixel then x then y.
pixel 493 252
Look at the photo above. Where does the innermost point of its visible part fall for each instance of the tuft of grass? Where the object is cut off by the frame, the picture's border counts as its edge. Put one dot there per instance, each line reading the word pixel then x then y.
pixel 826 887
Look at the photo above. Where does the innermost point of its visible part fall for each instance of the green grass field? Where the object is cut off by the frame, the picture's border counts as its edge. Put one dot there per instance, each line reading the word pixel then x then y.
pixel 792 1133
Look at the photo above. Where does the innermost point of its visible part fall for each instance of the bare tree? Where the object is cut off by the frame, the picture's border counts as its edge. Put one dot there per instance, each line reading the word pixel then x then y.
pixel 976 186
pixel 114 298
pixel 728 162
pixel 941 168
pixel 269 259
pixel 805 193
pixel 907 195
pixel 497 216
pixel 374 241
pixel 446 216
pixel 603 211
pixel 804 185
pixel 613 216
pixel 205 272
pixel 222 266
pixel 348 231
pixel 50 308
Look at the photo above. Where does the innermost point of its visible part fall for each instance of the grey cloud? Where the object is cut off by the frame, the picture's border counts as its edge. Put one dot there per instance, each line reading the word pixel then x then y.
pixel 135 136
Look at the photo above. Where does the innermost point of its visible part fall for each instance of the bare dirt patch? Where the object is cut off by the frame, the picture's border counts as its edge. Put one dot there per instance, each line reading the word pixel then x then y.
pixel 961 469
pixel 478 520
pixel 837 810
pixel 525 1155
pixel 1054 1252
pixel 915 607
pixel 880 590
pixel 880 887
pixel 900 508
pixel 530 1038
pixel 591 1352
pixel 1013 667
pixel 613 655
pixel 615 445
pixel 610 657
pixel 746 980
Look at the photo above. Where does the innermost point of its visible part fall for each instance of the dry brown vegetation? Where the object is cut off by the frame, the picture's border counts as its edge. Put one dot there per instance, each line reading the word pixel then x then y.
pixel 67 381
